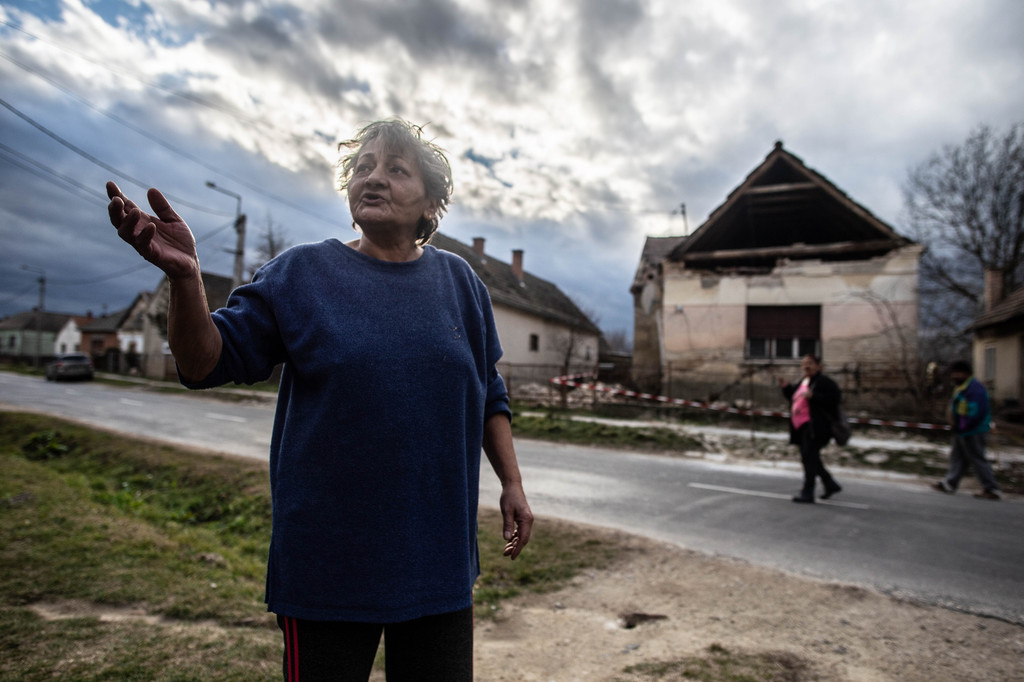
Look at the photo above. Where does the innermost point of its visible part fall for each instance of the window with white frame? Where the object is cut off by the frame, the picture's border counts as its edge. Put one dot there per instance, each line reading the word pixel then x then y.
pixel 783 332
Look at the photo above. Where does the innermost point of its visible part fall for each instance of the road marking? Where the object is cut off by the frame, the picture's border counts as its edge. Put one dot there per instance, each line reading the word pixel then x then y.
pixel 774 496
pixel 133 403
pixel 226 418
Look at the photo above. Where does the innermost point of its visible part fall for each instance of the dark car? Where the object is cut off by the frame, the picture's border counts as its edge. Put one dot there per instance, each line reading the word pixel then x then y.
pixel 70 366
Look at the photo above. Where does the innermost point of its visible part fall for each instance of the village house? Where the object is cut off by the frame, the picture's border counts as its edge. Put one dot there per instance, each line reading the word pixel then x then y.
pixel 30 336
pixel 787 265
pixel 69 338
pixel 115 340
pixel 998 345
pixel 543 333
pixel 156 361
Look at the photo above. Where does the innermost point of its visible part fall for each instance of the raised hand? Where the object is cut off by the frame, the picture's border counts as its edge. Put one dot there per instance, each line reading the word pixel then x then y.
pixel 164 239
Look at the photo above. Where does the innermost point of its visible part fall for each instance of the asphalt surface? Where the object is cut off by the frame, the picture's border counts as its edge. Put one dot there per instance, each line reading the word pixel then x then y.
pixel 897 536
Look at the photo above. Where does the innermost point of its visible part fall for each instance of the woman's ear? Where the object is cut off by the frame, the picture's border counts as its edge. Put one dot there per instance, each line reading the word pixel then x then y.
pixel 431 210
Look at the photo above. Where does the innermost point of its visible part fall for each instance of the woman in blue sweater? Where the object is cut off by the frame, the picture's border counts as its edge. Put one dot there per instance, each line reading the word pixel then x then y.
pixel 389 389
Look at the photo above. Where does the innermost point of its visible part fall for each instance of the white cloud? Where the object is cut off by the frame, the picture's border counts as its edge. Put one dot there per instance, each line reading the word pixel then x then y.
pixel 574 128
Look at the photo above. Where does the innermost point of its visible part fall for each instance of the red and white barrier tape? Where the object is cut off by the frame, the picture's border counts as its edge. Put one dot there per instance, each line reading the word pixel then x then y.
pixel 579 381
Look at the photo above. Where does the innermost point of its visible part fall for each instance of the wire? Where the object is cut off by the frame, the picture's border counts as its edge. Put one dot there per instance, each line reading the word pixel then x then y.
pixel 90 193
pixel 163 143
pixel 89 157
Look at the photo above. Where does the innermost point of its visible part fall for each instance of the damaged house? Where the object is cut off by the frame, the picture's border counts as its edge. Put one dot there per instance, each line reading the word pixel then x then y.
pixel 787 265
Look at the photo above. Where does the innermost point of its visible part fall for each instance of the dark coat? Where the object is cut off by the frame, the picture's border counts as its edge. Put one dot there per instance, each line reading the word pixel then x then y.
pixel 824 403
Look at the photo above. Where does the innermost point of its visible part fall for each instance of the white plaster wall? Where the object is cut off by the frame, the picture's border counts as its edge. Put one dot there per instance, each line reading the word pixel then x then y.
pixel 126 339
pixel 869 308
pixel 1006 383
pixel 515 328
pixel 69 339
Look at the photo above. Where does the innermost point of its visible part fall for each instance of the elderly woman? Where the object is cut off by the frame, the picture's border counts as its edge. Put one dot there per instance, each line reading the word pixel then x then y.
pixel 388 391
pixel 813 401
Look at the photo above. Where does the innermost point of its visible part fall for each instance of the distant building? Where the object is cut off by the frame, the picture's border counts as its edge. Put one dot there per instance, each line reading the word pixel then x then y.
pixel 998 347
pixel 156 361
pixel 115 340
pixel 787 265
pixel 69 338
pixel 539 326
pixel 30 335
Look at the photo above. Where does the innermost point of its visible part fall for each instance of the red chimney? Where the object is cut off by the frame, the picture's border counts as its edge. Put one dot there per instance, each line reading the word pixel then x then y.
pixel 478 246
pixel 517 263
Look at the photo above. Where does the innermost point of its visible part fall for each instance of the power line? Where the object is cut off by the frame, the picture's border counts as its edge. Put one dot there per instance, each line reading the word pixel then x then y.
pixel 90 194
pixel 4 154
pixel 89 157
pixel 163 143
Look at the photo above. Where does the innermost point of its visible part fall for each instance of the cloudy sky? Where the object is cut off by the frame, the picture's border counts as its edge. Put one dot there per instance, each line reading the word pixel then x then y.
pixel 575 127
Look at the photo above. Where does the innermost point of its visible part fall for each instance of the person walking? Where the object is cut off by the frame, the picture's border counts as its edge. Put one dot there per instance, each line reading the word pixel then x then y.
pixel 971 420
pixel 814 403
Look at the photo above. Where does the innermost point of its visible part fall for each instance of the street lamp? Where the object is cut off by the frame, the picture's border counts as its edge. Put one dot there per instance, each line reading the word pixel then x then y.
pixel 239 231
pixel 39 310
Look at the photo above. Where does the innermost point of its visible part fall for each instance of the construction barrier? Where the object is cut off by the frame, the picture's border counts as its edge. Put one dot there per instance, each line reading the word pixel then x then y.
pixel 583 381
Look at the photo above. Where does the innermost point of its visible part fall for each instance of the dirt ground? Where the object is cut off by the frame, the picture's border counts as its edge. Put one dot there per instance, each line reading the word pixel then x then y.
pixel 697 606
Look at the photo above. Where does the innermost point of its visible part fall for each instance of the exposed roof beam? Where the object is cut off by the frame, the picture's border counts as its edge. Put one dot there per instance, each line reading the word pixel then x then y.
pixel 801 250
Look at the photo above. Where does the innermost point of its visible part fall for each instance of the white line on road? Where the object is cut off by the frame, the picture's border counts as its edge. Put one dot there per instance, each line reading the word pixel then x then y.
pixel 226 418
pixel 774 496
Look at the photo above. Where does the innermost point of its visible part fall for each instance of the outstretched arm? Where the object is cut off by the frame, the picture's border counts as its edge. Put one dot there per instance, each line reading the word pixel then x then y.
pixel 518 519
pixel 165 241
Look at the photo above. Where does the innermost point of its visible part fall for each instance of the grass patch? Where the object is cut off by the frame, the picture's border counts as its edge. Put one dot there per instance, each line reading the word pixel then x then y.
pixel 722 665
pixel 115 523
pixel 563 429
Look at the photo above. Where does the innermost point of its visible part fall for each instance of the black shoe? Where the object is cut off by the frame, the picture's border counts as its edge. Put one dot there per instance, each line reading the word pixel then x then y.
pixel 803 499
pixel 834 491
pixel 943 487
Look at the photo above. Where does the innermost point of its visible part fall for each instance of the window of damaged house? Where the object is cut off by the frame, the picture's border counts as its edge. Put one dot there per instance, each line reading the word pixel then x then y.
pixel 783 332
pixel 534 342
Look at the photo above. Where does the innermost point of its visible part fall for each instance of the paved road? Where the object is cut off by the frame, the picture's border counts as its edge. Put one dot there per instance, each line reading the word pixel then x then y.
pixel 899 537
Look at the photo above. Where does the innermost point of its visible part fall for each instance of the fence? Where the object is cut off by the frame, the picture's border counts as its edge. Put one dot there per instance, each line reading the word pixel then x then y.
pixel 868 389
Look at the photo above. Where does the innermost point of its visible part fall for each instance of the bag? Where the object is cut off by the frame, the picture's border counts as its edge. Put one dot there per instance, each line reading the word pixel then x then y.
pixel 841 427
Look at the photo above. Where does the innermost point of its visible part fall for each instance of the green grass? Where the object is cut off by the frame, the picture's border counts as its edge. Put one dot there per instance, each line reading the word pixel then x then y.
pixel 561 428
pixel 104 523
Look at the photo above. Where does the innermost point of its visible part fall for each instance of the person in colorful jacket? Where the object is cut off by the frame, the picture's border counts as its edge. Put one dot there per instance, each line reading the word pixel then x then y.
pixel 971 420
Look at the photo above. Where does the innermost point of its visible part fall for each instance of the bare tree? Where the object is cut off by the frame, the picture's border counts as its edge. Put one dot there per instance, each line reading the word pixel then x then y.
pixel 966 205
pixel 618 340
pixel 271 241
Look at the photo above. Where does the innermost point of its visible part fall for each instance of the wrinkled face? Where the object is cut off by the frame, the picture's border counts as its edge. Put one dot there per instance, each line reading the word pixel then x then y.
pixel 387 190
pixel 809 367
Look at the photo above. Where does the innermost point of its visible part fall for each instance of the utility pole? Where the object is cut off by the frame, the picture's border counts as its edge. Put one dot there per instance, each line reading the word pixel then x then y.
pixel 39 312
pixel 236 279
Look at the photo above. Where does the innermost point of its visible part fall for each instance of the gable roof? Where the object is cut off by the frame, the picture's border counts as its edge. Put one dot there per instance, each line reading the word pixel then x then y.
pixel 656 249
pixel 105 324
pixel 1010 309
pixel 27 321
pixel 783 209
pixel 531 295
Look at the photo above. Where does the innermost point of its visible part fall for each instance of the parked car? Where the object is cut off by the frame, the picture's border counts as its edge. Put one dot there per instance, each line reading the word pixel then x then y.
pixel 70 366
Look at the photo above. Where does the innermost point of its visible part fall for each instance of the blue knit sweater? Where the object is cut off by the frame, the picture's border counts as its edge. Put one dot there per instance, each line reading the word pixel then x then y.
pixel 389 374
